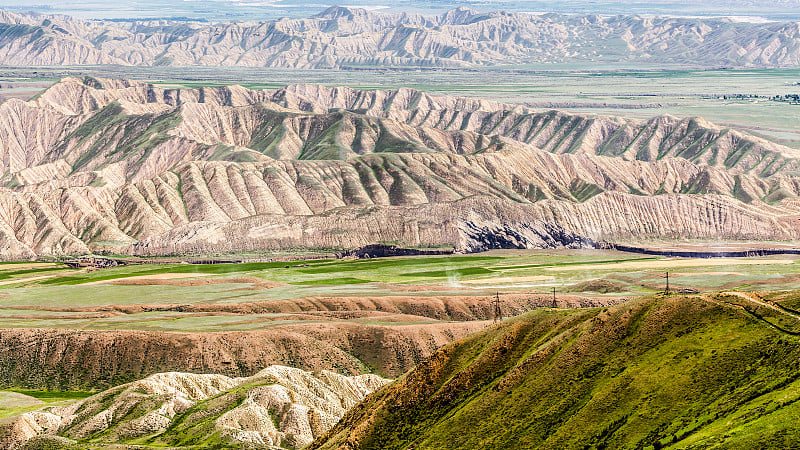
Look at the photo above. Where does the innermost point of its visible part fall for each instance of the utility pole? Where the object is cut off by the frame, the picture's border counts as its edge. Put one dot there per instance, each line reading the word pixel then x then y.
pixel 555 305
pixel 666 291
pixel 498 315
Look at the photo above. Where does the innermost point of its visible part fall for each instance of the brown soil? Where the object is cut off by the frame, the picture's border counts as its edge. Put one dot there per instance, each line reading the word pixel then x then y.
pixel 447 308
pixel 91 359
pixel 149 279
pixel 388 335
pixel 414 287
pixel 182 280
pixel 23 280
pixel 599 286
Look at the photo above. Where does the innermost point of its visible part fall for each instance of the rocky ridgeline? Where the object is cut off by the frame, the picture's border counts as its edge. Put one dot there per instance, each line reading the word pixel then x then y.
pixel 342 37
pixel 277 407
pixel 113 165
pixel 74 360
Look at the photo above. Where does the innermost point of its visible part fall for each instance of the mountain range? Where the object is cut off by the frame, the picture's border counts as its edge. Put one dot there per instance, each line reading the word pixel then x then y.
pixel 94 165
pixel 356 38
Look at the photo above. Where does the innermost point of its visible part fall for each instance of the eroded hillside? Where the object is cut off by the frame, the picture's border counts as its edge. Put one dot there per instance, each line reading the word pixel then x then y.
pixel 128 167
pixel 348 37
pixel 277 407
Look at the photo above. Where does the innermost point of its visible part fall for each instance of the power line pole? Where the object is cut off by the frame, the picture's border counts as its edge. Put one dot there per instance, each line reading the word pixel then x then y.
pixel 498 315
pixel 666 291
pixel 554 298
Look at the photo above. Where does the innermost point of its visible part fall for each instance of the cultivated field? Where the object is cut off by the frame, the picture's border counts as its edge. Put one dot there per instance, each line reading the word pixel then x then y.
pixel 65 331
pixel 145 297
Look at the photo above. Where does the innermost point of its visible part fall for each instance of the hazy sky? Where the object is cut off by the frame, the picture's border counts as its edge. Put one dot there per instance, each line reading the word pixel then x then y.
pixel 272 9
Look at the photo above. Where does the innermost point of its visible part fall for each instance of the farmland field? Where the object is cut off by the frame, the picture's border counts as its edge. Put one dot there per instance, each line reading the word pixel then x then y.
pixel 144 297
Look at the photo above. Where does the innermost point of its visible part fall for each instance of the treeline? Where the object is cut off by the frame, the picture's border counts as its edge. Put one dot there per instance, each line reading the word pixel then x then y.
pixel 793 99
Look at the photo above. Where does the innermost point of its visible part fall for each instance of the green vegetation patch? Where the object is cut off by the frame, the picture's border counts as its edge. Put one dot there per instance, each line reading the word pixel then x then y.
pixel 19 401
pixel 332 281
pixel 135 271
pixel 53 396
pixel 582 190
pixel 8 274
pixel 400 264
pixel 10 32
pixel 658 372
pixel 450 272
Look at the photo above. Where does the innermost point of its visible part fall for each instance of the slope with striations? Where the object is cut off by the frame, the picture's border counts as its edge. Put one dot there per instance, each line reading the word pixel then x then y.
pixel 127 167
pixel 345 37
pixel 277 407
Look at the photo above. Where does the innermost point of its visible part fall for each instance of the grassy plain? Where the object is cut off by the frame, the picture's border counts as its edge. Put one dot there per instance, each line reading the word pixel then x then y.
pixel 49 295
pixel 18 401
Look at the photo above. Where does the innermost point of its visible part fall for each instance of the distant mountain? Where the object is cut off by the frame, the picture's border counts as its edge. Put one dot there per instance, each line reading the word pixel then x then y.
pixel 121 10
pixel 127 167
pixel 712 371
pixel 344 37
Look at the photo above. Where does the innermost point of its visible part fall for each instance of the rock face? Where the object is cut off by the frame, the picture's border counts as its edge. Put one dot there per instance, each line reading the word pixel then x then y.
pixel 93 165
pixel 277 407
pixel 342 37
pixel 480 237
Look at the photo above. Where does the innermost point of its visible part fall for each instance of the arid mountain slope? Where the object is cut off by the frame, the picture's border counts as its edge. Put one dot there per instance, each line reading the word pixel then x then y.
pixel 324 335
pixel 342 37
pixel 124 166
pixel 668 372
pixel 277 407
pixel 74 359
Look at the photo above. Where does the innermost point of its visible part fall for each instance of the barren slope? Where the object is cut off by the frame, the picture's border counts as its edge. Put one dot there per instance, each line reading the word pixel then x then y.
pixel 317 333
pixel 73 359
pixel 277 407
pixel 342 37
pixel 124 166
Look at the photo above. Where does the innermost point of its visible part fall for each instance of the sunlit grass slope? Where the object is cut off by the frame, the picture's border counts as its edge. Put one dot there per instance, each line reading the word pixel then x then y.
pixel 657 372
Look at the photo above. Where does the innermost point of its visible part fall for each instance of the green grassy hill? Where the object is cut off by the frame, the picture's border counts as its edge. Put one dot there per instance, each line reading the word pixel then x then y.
pixel 709 371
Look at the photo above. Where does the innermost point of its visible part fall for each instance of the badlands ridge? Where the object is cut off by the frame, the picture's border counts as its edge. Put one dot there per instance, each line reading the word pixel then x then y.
pixel 355 38
pixel 127 167
pixel 277 407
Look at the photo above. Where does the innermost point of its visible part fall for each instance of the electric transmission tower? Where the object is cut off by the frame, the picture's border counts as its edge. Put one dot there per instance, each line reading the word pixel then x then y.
pixel 498 315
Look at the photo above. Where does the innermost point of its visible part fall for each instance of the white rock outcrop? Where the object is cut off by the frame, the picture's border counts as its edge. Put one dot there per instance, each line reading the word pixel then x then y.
pixel 280 406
